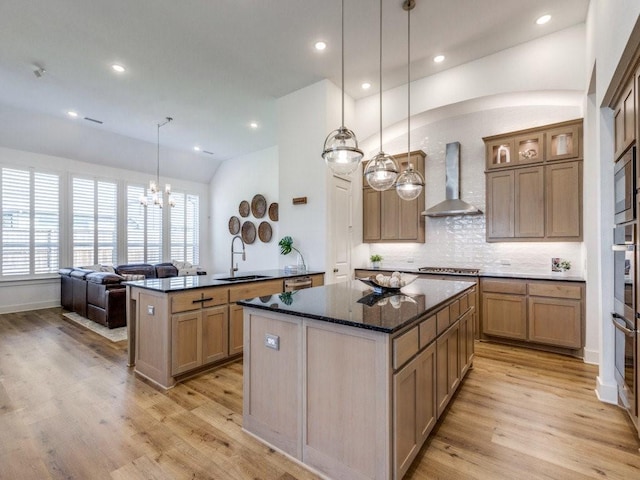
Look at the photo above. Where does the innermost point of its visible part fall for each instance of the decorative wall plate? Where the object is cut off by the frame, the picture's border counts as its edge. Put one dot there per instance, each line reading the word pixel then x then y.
pixel 234 225
pixel 248 232
pixel 258 206
pixel 264 232
pixel 243 208
pixel 273 212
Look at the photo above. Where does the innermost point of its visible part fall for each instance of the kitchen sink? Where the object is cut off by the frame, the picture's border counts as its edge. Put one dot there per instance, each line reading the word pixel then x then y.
pixel 242 278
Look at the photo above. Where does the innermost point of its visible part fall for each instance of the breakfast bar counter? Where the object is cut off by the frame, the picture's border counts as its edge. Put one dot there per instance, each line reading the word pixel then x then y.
pixel 350 382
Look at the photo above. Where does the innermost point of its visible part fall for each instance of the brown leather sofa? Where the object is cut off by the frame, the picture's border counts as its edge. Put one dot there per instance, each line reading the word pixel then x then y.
pixel 101 296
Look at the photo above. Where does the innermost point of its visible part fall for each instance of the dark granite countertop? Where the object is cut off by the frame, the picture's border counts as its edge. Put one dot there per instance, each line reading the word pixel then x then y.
pixel 354 303
pixel 559 276
pixel 176 284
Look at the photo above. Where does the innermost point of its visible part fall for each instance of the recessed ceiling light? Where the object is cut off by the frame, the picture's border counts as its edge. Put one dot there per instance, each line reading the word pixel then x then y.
pixel 72 114
pixel 438 58
pixel 253 125
pixel 118 68
pixel 543 19
pixel 320 45
pixel 196 148
pixel 366 86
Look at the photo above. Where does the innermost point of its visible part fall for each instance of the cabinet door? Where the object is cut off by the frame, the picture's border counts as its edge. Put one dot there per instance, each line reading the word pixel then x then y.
pixel 389 216
pixel 447 367
pixel 564 143
pixel 409 219
pixel 414 408
pixel 530 148
pixel 500 205
pixel 501 153
pixel 370 215
pixel 504 315
pixel 186 341
pixel 529 202
pixel 465 346
pixel 564 201
pixel 555 321
pixel 236 339
pixel 215 336
pixel 624 120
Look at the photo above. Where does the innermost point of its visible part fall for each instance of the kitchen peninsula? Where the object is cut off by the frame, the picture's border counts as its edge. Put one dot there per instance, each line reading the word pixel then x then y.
pixel 350 382
pixel 181 326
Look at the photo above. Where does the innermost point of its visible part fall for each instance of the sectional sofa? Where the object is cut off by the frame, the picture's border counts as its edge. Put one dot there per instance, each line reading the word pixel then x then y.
pixel 98 293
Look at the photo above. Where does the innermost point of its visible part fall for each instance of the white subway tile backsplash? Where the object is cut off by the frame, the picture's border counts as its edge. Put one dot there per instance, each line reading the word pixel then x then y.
pixel 460 241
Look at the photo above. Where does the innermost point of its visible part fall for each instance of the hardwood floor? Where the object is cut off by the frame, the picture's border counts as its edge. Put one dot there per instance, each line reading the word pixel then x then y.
pixel 70 408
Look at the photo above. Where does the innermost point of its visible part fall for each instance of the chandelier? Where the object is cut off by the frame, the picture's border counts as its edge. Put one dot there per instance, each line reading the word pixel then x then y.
pixel 156 194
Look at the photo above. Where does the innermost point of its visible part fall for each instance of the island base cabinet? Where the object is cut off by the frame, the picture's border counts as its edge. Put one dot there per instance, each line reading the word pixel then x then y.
pixel 415 407
pixel 448 369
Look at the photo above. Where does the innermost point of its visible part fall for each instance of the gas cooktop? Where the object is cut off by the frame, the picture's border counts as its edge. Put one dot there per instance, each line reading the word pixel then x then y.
pixel 451 270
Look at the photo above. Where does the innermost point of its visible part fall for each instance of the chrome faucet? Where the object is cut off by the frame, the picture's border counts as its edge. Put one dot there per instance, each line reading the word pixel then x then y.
pixel 244 255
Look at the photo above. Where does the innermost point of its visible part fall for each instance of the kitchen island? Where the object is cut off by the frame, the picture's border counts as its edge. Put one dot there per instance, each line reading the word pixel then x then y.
pixel 180 326
pixel 350 383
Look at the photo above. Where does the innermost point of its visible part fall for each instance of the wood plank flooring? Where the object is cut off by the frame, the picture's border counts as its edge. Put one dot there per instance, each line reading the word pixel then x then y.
pixel 70 408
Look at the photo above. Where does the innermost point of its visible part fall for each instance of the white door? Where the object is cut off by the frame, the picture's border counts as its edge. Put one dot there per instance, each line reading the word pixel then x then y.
pixel 340 227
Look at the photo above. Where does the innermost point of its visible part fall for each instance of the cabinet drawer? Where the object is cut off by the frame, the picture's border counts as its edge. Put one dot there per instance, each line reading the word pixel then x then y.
pixel 427 331
pixel 454 311
pixel 255 289
pixel 196 299
pixel 504 286
pixel 404 347
pixel 442 320
pixel 464 303
pixel 555 290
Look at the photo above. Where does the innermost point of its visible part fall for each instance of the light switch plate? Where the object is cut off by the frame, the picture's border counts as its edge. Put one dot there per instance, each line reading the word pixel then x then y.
pixel 272 341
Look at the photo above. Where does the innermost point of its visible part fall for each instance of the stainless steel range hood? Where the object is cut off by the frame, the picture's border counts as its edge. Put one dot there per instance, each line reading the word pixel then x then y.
pixel 453 205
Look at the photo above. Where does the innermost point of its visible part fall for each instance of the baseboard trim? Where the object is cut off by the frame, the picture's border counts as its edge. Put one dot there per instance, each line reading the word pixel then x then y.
pixel 606 392
pixel 29 306
pixel 592 357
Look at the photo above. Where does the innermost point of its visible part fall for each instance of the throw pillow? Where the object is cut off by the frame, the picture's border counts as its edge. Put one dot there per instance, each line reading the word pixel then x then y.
pixel 107 268
pixel 128 277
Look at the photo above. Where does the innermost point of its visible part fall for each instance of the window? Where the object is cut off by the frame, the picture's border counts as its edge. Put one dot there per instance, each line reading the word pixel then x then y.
pixel 30 222
pixel 185 228
pixel 144 228
pixel 95 222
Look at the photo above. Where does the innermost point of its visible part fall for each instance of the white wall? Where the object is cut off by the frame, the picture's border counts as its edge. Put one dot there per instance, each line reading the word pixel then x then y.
pixel 41 293
pixel 236 180
pixel 553 62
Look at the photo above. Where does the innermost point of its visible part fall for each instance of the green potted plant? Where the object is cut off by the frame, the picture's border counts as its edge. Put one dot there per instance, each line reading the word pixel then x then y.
pixel 286 246
pixel 375 260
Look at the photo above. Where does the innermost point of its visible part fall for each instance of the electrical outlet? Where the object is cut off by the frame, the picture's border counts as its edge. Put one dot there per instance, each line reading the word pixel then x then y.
pixel 410 260
pixel 151 310
pixel 505 261
pixel 272 341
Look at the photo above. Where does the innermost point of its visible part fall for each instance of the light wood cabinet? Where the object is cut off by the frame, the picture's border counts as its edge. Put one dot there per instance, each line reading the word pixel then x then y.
pixel 624 114
pixel 540 312
pixel 235 329
pixel 387 218
pixel 564 200
pixel 541 202
pixel 198 338
pixel 448 371
pixel 415 407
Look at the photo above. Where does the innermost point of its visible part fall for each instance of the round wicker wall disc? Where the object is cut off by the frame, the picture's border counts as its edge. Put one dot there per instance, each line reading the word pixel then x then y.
pixel 234 225
pixel 243 208
pixel 258 206
pixel 248 232
pixel 273 212
pixel 264 232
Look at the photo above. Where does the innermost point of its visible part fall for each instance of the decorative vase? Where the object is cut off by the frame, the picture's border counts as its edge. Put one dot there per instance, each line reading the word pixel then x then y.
pixel 375 265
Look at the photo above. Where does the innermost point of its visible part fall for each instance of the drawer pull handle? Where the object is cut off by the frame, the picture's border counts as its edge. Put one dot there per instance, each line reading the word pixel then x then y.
pixel 202 300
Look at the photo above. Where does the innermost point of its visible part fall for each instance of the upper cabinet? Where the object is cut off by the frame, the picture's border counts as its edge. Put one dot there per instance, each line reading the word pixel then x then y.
pixel 624 120
pixel 534 184
pixel 388 219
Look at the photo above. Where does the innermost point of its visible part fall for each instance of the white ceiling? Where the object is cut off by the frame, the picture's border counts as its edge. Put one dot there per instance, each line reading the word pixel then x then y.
pixel 217 65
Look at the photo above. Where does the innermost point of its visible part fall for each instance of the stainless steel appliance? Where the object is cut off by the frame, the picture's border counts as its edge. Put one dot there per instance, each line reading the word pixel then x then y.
pixel 297 283
pixel 625 316
pixel 625 188
pixel 451 270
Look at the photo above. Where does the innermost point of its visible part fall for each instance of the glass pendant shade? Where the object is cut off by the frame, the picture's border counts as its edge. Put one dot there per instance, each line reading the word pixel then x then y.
pixel 381 172
pixel 341 152
pixel 409 184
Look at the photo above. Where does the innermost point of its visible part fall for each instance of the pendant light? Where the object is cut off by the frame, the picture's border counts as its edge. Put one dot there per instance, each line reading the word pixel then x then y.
pixel 341 152
pixel 154 185
pixel 381 171
pixel 410 183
